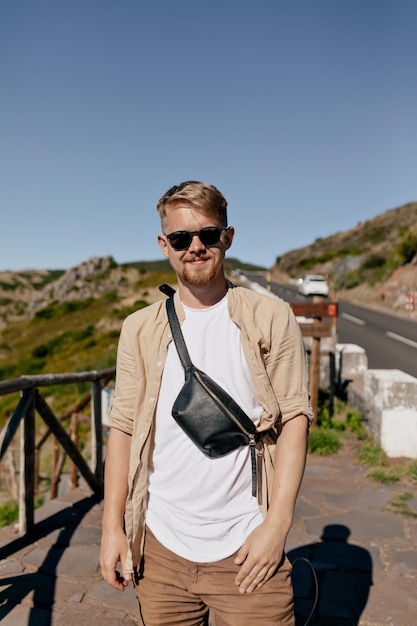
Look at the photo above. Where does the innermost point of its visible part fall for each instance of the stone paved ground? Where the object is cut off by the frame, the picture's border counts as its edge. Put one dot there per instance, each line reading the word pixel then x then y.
pixel 364 557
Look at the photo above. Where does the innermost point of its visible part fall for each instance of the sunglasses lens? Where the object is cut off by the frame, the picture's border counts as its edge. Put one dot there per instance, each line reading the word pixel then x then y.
pixel 180 240
pixel 210 236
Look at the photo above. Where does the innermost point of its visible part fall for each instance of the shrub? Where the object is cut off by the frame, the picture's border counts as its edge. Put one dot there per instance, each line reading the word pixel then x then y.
pixel 387 475
pixel 323 441
pixel 111 296
pixel 372 455
pixel 55 310
pixel 49 278
pixel 7 372
pixel 375 234
pixel 47 313
pixel 349 280
pixel 379 275
pixel 399 503
pixel 412 470
pixel 78 335
pixel 75 305
pixel 54 345
pixel 355 423
pixel 127 310
pixel 373 261
pixel 29 366
pixel 9 513
pixel 8 286
pixel 407 248
pixel 326 421
pixel 40 351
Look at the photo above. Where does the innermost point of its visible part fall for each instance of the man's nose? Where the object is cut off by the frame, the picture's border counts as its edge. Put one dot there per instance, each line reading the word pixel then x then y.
pixel 196 243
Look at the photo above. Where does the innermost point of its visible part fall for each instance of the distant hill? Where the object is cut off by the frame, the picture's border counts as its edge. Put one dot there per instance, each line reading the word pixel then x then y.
pixel 24 293
pixel 375 261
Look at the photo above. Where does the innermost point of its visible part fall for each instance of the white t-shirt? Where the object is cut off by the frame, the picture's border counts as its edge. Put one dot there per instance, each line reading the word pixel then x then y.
pixel 201 508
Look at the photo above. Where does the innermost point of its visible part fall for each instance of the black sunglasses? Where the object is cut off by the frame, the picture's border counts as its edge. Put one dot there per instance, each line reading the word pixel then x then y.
pixel 209 236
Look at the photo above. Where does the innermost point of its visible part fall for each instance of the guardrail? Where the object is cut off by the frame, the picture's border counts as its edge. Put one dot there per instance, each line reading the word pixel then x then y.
pixel 32 401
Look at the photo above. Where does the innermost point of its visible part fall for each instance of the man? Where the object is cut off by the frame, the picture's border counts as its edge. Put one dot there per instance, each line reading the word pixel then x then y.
pixel 195 538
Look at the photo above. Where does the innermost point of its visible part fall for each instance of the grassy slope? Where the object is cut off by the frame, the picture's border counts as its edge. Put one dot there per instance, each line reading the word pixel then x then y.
pixel 380 245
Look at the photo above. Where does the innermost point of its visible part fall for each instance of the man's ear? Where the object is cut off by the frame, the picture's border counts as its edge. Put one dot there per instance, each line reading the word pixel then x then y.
pixel 163 244
pixel 228 237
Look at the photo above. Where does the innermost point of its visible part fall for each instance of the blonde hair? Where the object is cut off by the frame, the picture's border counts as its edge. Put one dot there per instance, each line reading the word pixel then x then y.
pixel 203 196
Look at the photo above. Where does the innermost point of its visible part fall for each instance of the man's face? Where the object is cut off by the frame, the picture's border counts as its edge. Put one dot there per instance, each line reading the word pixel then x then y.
pixel 198 265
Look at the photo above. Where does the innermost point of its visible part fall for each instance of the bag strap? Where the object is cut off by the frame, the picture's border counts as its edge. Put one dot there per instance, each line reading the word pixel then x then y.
pixel 177 335
pixel 175 326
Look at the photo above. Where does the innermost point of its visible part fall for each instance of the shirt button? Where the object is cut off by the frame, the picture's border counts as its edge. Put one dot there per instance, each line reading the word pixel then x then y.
pixel 152 400
pixel 142 435
pixel 159 363
pixel 169 336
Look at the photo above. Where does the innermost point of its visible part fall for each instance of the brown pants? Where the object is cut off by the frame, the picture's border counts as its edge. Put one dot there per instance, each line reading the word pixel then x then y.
pixel 175 591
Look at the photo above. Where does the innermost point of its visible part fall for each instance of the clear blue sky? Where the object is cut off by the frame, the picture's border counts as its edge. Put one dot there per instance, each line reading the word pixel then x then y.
pixel 302 112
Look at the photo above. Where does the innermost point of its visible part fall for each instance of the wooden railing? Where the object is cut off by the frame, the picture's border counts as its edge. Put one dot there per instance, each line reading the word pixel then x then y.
pixel 31 401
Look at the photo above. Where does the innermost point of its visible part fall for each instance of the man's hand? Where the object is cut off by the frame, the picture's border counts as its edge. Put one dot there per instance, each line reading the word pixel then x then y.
pixel 263 550
pixel 259 556
pixel 113 551
pixel 114 546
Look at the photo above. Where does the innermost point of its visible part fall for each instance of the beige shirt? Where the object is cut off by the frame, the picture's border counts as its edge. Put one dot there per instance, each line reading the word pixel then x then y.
pixel 274 350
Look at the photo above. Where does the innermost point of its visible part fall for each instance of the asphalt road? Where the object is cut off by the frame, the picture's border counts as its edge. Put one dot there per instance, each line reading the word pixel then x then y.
pixel 389 341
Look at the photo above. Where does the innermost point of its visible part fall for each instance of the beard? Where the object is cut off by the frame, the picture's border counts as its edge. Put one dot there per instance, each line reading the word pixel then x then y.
pixel 199 277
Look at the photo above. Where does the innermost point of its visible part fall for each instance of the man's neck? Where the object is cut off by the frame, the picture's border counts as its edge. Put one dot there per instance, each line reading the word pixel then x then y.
pixel 202 297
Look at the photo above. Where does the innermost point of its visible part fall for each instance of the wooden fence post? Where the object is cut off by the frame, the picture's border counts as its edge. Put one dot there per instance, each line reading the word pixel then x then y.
pixel 55 470
pixel 314 376
pixel 27 466
pixel 316 329
pixel 74 439
pixel 14 491
pixel 96 432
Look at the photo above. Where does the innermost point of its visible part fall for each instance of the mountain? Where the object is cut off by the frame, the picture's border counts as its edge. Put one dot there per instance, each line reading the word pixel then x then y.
pixel 23 294
pixel 374 262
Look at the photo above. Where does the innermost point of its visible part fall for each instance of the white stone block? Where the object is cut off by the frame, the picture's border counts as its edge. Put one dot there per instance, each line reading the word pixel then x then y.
pixel 391 410
pixel 354 360
pixel 399 433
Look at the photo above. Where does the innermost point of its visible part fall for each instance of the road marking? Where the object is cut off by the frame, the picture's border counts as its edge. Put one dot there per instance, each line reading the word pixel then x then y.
pixel 409 342
pixel 355 320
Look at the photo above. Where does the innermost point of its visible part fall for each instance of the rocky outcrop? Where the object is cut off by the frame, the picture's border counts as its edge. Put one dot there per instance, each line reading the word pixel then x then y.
pixel 77 283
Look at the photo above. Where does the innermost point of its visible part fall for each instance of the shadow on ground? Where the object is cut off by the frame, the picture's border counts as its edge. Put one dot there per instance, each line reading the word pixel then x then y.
pixel 331 579
pixel 42 583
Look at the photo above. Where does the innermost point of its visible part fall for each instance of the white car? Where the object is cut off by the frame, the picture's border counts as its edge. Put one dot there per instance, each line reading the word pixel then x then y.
pixel 313 285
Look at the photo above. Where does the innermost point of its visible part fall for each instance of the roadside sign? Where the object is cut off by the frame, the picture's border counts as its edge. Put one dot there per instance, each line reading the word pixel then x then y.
pixel 315 309
pixel 316 328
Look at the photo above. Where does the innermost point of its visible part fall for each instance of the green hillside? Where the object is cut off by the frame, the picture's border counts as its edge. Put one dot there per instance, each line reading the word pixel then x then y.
pixel 370 252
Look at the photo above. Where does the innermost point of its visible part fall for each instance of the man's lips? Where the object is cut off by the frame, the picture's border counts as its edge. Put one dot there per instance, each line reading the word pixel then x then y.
pixel 198 259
